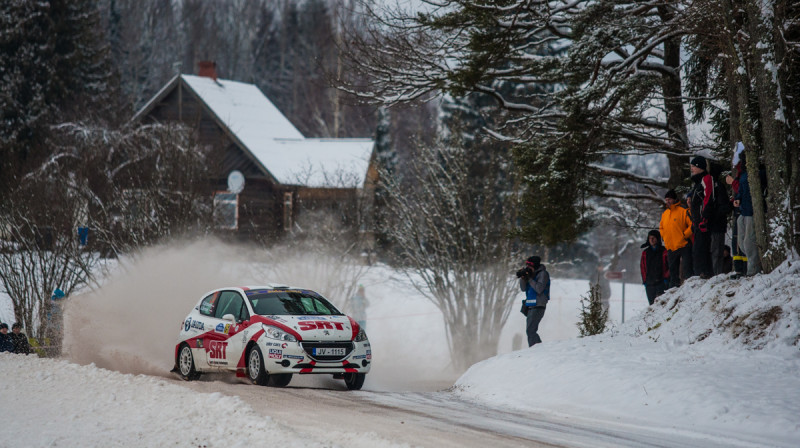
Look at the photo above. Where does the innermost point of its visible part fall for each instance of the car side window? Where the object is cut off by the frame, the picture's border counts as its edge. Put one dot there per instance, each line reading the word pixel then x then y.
pixel 209 304
pixel 231 302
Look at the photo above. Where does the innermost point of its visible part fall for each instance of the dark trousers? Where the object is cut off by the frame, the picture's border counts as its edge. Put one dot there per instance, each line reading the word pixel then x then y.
pixel 680 265
pixel 535 316
pixel 717 248
pixel 701 254
pixel 654 291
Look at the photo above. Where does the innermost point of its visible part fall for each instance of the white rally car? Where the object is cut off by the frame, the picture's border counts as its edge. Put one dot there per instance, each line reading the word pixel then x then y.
pixel 268 333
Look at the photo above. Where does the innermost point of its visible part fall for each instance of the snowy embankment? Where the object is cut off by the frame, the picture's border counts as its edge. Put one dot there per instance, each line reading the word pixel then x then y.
pixel 48 402
pixel 717 357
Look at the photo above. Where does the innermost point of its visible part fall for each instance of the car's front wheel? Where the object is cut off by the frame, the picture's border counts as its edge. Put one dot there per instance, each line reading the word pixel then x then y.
pixel 255 367
pixel 186 363
pixel 354 381
pixel 279 379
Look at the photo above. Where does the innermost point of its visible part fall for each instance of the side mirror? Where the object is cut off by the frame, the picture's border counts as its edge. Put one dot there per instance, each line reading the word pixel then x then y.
pixel 229 317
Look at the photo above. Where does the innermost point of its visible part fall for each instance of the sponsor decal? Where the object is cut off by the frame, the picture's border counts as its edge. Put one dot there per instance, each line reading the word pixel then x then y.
pixel 217 362
pixel 359 357
pixel 366 344
pixel 284 345
pixel 320 325
pixel 311 317
pixel 217 350
pixel 294 357
pixel 369 354
pixel 196 324
pixel 274 344
pixel 221 328
pixel 275 353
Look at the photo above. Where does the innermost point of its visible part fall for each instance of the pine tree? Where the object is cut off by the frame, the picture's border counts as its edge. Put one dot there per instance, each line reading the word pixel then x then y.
pixel 593 315
pixel 26 93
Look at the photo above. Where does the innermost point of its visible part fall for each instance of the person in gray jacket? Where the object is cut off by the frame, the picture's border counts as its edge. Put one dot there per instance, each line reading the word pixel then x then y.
pixel 534 280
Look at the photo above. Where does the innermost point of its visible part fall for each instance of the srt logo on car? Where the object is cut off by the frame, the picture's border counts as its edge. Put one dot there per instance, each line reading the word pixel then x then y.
pixel 217 349
pixel 320 325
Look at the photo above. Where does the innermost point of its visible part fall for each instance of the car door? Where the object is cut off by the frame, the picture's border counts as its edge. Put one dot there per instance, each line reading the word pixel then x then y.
pixel 223 350
pixel 238 335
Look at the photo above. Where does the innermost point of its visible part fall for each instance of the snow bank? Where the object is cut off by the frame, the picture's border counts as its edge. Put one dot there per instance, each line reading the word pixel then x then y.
pixel 715 357
pixel 49 402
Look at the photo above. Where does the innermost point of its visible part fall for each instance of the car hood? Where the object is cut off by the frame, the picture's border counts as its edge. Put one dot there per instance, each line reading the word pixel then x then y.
pixel 316 328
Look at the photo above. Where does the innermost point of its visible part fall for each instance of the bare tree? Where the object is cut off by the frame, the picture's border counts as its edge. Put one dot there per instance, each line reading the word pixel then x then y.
pixel 447 225
pixel 39 255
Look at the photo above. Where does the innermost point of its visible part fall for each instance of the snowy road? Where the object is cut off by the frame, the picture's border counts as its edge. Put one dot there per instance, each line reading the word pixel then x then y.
pixel 437 419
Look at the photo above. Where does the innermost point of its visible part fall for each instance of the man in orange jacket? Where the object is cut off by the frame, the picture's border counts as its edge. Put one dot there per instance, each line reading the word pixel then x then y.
pixel 676 230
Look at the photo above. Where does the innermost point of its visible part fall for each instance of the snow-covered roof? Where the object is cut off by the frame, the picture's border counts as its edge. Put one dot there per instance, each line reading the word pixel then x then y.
pixel 276 144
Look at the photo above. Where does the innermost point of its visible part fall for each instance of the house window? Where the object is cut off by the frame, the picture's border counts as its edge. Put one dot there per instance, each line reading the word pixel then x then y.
pixel 226 210
pixel 287 211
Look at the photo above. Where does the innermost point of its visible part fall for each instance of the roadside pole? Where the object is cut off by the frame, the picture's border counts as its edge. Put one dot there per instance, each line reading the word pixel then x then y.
pixel 618 275
pixel 623 296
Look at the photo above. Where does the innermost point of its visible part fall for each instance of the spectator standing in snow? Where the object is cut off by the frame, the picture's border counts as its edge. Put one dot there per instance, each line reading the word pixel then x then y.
pixel 747 231
pixel 718 218
pixel 676 229
pixel 739 259
pixel 358 306
pixel 534 280
pixel 20 339
pixel 655 275
pixel 6 343
pixel 701 205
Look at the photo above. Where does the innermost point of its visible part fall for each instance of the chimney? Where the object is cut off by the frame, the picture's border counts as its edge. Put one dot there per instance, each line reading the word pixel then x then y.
pixel 207 69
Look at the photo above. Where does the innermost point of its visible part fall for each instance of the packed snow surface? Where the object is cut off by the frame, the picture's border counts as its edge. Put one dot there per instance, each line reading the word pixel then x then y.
pixel 718 357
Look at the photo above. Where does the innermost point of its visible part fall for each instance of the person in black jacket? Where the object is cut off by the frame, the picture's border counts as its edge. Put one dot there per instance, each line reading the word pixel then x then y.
pixel 701 204
pixel 654 265
pixel 6 344
pixel 20 340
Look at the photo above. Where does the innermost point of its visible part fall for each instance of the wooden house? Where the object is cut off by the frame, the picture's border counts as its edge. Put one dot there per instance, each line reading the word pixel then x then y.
pixel 286 176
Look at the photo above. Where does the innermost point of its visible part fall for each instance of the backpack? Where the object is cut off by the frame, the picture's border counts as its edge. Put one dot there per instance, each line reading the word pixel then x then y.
pixel 722 205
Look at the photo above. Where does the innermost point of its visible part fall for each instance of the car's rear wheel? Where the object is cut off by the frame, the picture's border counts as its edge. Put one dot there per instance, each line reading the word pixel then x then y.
pixel 279 379
pixel 186 363
pixel 354 381
pixel 255 367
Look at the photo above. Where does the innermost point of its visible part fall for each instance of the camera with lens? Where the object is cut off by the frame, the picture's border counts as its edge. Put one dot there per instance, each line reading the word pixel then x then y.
pixel 524 272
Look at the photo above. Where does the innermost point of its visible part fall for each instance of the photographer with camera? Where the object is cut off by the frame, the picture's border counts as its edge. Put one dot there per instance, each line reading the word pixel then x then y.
pixel 535 281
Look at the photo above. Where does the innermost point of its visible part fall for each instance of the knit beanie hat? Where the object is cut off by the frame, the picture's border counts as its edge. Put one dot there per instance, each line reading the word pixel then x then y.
pixel 671 194
pixel 700 162
pixel 534 261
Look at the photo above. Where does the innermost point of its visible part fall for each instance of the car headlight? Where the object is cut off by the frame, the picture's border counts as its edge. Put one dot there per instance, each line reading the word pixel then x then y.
pixel 277 333
pixel 361 336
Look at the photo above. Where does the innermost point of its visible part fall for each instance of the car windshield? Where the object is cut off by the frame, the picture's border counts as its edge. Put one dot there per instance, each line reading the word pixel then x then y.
pixel 289 301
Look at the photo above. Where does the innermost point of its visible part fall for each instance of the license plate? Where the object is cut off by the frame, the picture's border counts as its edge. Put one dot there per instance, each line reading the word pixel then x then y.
pixel 326 351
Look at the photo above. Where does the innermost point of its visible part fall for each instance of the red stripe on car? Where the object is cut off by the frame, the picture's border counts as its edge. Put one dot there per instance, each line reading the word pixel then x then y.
pixel 254 337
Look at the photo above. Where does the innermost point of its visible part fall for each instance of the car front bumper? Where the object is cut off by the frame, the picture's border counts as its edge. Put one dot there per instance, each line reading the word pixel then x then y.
pixel 300 357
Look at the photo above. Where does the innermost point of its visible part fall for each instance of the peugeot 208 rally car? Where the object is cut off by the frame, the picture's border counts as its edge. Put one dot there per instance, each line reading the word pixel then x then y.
pixel 269 333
